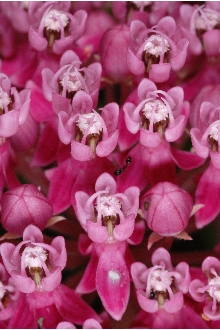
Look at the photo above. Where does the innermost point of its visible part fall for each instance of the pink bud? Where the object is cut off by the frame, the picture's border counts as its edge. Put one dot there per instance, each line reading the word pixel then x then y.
pixel 114 46
pixel 23 206
pixel 167 208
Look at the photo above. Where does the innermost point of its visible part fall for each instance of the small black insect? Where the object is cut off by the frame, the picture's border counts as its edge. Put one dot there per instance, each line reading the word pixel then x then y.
pixel 120 170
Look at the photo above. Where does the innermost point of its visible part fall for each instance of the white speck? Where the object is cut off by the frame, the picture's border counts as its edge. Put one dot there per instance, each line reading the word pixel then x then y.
pixel 114 275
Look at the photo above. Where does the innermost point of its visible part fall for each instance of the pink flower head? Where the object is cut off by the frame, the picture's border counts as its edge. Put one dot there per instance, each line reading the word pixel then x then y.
pixel 158 114
pixel 52 25
pixel 107 215
pixel 22 206
pixel 161 286
pixel 70 78
pixel 206 139
pixel 200 25
pixel 14 107
pixel 155 51
pixel 89 132
pixel 208 292
pixel 166 208
pixel 34 265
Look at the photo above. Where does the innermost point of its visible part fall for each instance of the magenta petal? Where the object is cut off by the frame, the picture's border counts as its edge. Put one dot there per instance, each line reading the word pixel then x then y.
pixel 123 231
pixel 196 137
pixel 50 282
pixel 7 250
pixel 97 233
pixel 39 43
pixel 135 65
pixel 23 317
pixel 194 287
pixel 175 303
pixel 91 324
pixel 173 133
pixel 105 147
pixel 9 123
pixel 138 233
pixel 186 160
pixel 148 139
pixel 105 180
pixel 80 151
pixel 137 269
pixel 61 186
pixel 112 282
pixel 215 159
pixel 87 283
pixel 160 72
pixel 211 42
pixel 46 150
pixel 148 305
pixel 207 193
pixel 23 283
pixel 72 307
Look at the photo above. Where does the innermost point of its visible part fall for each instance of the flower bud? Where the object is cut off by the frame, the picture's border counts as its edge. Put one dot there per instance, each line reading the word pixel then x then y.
pixel 22 206
pixel 167 208
pixel 114 46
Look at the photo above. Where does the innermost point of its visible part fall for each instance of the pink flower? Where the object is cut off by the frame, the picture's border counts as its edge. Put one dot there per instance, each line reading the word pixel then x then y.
pixel 89 132
pixel 158 114
pixel 205 139
pixel 70 78
pixel 107 215
pixel 8 295
pixel 38 267
pixel 161 286
pixel 200 25
pixel 52 26
pixel 14 107
pixel 208 292
pixel 155 51
pixel 22 206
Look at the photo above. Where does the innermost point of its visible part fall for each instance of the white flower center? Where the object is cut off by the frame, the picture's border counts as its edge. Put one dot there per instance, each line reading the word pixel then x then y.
pixel 54 19
pixel 71 82
pixel 160 280
pixel 214 290
pixel 34 256
pixel 156 45
pixel 207 21
pixel 214 130
pixel 90 120
pixel 109 206
pixel 159 108
pixel 4 99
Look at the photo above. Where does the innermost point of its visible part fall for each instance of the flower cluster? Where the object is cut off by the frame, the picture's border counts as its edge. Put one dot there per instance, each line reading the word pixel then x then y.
pixel 109 164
